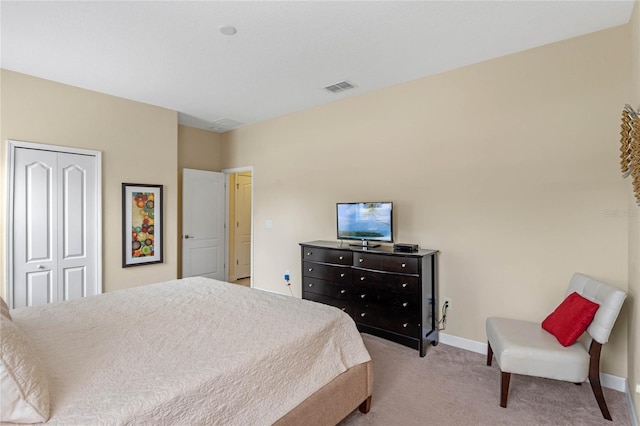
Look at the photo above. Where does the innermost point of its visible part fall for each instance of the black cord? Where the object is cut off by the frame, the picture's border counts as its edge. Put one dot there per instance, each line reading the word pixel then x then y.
pixel 442 324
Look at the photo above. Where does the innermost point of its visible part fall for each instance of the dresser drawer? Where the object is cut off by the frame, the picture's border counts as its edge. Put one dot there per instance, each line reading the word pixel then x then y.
pixel 339 257
pixel 376 316
pixel 341 304
pixel 367 261
pixel 401 284
pixel 405 265
pixel 379 262
pixel 401 304
pixel 338 274
pixel 327 288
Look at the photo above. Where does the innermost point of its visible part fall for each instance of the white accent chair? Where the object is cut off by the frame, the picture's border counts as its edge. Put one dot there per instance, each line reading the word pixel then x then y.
pixel 523 347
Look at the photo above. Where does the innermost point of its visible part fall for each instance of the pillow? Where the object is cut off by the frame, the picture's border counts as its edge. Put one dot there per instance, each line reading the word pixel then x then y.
pixel 4 309
pixel 569 320
pixel 23 383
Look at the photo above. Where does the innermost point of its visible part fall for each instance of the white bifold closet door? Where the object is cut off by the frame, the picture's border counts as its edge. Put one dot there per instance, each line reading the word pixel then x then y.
pixel 54 227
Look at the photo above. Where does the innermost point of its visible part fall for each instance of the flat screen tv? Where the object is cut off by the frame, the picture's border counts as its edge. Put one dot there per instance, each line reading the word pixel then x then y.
pixel 365 222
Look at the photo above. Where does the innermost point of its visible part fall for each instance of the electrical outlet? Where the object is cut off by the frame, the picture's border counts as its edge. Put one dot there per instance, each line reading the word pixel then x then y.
pixel 449 303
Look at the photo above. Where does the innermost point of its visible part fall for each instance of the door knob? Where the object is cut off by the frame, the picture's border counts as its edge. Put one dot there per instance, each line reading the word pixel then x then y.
pixel 40 266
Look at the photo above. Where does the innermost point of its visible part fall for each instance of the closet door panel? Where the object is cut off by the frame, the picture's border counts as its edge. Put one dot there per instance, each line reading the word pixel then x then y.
pixel 74 283
pixel 73 213
pixel 40 288
pixel 76 238
pixel 34 235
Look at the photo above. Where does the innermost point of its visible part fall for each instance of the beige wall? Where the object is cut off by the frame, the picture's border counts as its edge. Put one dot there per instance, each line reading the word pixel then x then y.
pixel 138 144
pixel 634 230
pixel 197 149
pixel 509 167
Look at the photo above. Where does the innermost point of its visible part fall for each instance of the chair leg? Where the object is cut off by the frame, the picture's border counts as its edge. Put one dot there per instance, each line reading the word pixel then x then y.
pixel 489 354
pixel 594 378
pixel 504 389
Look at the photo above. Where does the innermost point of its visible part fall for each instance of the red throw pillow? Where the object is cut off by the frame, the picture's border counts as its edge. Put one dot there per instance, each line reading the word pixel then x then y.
pixel 570 319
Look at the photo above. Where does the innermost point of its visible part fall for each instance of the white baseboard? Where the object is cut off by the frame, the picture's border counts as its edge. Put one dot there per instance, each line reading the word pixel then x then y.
pixel 632 411
pixel 607 380
pixel 462 343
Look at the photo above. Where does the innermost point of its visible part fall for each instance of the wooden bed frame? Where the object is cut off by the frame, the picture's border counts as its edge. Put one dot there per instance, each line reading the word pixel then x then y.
pixel 336 400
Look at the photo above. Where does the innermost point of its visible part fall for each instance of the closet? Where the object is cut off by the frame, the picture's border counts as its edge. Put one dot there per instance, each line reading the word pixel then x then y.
pixel 54 224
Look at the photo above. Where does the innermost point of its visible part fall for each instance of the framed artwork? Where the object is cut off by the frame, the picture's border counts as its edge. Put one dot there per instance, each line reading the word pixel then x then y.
pixel 141 224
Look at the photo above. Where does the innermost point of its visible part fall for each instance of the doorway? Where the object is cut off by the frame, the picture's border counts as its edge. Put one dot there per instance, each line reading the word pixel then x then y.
pixel 240 220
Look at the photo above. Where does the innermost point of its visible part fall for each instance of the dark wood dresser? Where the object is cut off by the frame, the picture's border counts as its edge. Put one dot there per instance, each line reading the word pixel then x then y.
pixel 390 294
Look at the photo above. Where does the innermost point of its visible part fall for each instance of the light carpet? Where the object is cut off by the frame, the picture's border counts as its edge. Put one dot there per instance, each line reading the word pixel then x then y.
pixel 452 386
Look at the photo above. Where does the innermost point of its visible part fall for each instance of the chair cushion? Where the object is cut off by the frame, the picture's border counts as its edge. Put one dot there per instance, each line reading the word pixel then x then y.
pixel 607 296
pixel 523 347
pixel 570 319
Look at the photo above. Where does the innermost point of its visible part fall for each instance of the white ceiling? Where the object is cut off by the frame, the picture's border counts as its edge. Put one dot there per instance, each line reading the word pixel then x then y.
pixel 172 54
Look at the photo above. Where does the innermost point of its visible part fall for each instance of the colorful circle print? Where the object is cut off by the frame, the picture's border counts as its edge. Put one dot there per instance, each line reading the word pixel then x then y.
pixel 142 240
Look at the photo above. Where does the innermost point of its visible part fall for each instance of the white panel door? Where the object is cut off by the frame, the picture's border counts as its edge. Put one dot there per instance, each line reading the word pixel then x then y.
pixel 76 233
pixel 35 219
pixel 55 227
pixel 203 214
pixel 243 226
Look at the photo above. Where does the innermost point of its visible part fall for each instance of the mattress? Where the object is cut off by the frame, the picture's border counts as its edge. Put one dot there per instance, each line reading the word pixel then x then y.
pixel 194 351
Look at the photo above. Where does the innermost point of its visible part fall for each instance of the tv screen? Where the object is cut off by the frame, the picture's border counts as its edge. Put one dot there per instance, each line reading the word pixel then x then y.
pixel 365 221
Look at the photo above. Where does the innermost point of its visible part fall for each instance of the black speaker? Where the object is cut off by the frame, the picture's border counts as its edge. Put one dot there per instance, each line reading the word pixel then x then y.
pixel 405 247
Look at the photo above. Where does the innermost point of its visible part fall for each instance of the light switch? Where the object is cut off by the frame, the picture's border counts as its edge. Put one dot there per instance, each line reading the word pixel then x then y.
pixel 269 224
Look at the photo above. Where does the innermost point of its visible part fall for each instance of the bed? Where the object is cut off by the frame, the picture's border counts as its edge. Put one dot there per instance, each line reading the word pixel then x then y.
pixel 191 351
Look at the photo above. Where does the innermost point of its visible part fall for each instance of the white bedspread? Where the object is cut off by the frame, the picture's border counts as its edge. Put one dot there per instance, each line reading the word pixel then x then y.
pixel 193 351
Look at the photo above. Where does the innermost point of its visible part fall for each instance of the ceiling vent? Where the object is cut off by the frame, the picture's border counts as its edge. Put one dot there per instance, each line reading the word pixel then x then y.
pixel 340 87
pixel 224 125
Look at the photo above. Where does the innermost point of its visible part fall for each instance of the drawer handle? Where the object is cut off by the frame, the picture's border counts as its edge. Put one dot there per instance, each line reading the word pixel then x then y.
pixel 362 296
pixel 405 324
pixel 363 314
pixel 362 278
pixel 310 284
pixel 360 260
pixel 404 265
pixel 341 257
pixel 404 285
pixel 404 305
pixel 341 275
pixel 310 269
pixel 309 253
pixel 343 291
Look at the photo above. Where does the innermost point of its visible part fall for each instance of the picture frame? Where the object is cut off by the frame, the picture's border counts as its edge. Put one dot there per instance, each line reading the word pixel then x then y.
pixel 142 218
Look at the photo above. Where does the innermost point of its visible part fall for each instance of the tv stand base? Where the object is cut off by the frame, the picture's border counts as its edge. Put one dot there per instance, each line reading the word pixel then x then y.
pixel 365 244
